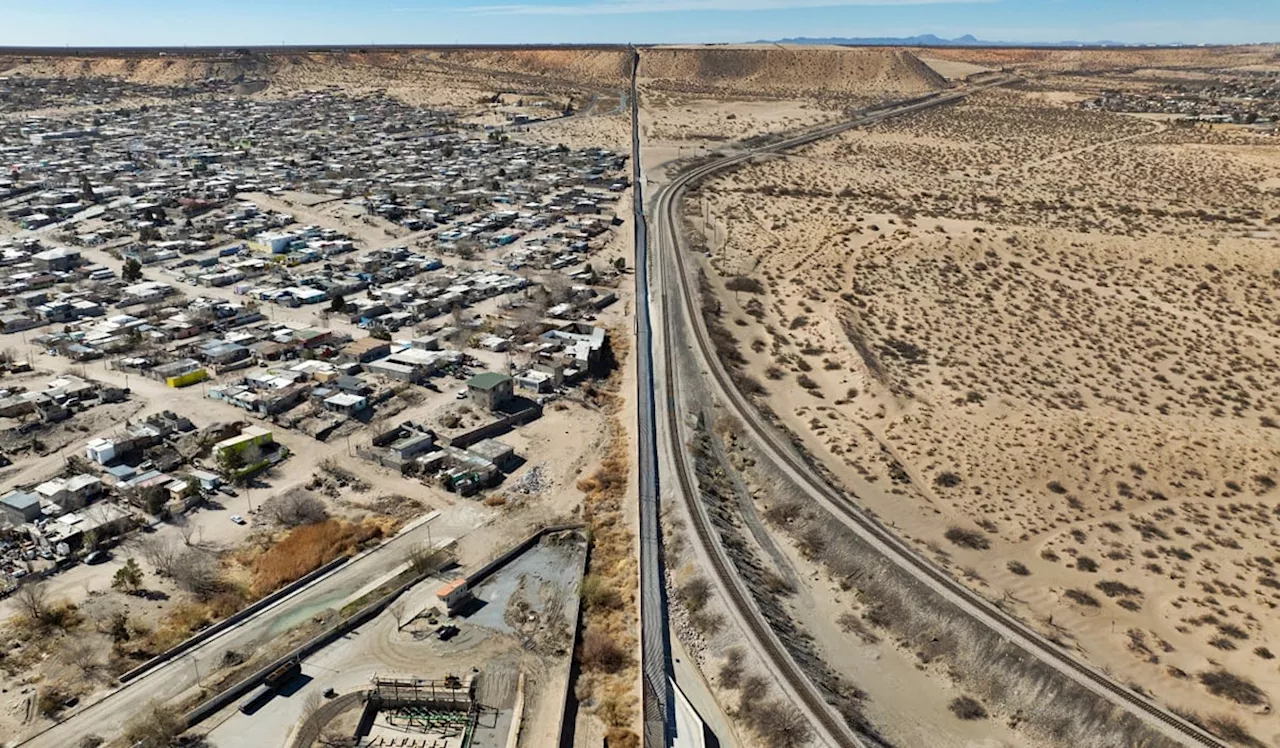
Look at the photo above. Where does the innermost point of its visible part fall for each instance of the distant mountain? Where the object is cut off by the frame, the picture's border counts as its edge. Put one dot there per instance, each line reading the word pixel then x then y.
pixel 929 40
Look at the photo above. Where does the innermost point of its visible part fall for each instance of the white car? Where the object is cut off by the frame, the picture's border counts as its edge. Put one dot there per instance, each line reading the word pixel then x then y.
pixel 461 394
pixel 237 519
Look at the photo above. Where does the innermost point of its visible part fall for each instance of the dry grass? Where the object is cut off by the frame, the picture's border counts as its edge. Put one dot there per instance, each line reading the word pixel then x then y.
pixel 607 682
pixel 305 549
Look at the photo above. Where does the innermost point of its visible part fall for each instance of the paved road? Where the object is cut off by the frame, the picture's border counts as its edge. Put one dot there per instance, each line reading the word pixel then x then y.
pixel 107 716
pixel 779 450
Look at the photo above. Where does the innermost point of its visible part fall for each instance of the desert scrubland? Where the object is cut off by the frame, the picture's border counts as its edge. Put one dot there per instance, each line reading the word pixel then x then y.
pixel 1040 342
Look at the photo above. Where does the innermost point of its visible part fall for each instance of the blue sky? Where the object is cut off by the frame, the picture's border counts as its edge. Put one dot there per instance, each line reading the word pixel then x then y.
pixel 245 22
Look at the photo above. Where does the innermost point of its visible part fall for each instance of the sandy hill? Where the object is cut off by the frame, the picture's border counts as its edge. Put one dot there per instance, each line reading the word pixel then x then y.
pixel 598 69
pixel 1110 59
pixel 787 71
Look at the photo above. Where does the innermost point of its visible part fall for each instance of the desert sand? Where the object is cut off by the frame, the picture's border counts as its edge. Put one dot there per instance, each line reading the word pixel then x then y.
pixel 1040 342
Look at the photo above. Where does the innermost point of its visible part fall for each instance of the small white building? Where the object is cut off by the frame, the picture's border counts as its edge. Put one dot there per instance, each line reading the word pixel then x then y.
pixel 100 451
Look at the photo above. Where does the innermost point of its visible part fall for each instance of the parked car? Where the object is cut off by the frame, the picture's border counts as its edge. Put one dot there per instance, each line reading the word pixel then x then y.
pixel 237 519
pixel 96 557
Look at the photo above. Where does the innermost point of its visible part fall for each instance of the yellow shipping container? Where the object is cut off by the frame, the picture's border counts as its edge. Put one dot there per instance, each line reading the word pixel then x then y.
pixel 191 377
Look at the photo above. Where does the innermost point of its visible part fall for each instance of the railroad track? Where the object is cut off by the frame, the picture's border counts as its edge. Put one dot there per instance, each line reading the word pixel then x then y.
pixel 778 448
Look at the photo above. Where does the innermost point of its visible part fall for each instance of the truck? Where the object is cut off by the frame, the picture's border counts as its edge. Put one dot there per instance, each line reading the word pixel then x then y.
pixel 283 674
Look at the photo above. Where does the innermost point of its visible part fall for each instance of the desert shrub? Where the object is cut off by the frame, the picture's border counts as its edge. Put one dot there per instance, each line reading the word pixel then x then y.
pixel 780 725
pixel 601 653
pixel 90 741
pixel 51 698
pixel 307 548
pixel 706 622
pixel 1080 597
pixel 1230 686
pixel 965 538
pixel 1056 487
pixel 695 593
pixel 1222 643
pixel 1019 568
pixel 1117 589
pixel 745 284
pixel 966 707
pixel 852 623
pixel 783 512
pixel 1084 563
pixel 1264 653
pixel 154 728
pixel 598 594
pixel 947 479
pixel 1229 728
pixel 731 669
pixel 806 382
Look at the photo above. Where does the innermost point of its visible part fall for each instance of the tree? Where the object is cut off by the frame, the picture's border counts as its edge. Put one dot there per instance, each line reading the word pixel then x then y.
pixel 128 578
pixel 118 628
pixel 229 463
pixel 160 553
pixel 196 571
pixel 82 654
pixel 153 499
pixel 397 611
pixel 295 508
pixel 620 264
pixel 132 270
pixel 33 601
pixel 338 303
pixel 425 560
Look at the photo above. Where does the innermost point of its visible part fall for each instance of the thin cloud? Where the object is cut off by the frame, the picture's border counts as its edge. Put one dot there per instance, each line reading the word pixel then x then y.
pixel 635 7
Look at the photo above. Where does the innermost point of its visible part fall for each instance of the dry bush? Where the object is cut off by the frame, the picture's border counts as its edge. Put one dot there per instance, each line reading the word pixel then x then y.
pixel 1080 597
pixel 601 653
pixel 745 284
pixel 779 724
pixel 197 572
pixel 1229 728
pixel 306 549
pixel 731 668
pixel 154 728
pixel 965 538
pixel 695 593
pixel 967 707
pixel 52 697
pixel 1228 685
pixel 1019 568
pixel 294 508
pixel 621 738
pixel 598 594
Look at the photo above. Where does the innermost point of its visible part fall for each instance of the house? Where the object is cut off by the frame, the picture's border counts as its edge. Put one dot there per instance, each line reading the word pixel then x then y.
pixel 53 491
pixel 58 259
pixel 81 489
pixel 207 481
pixel 103 451
pixel 501 455
pixel 535 381
pixel 346 403
pixel 454 595
pixel 490 389
pixel 248 443
pixel 20 507
pixel 365 350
